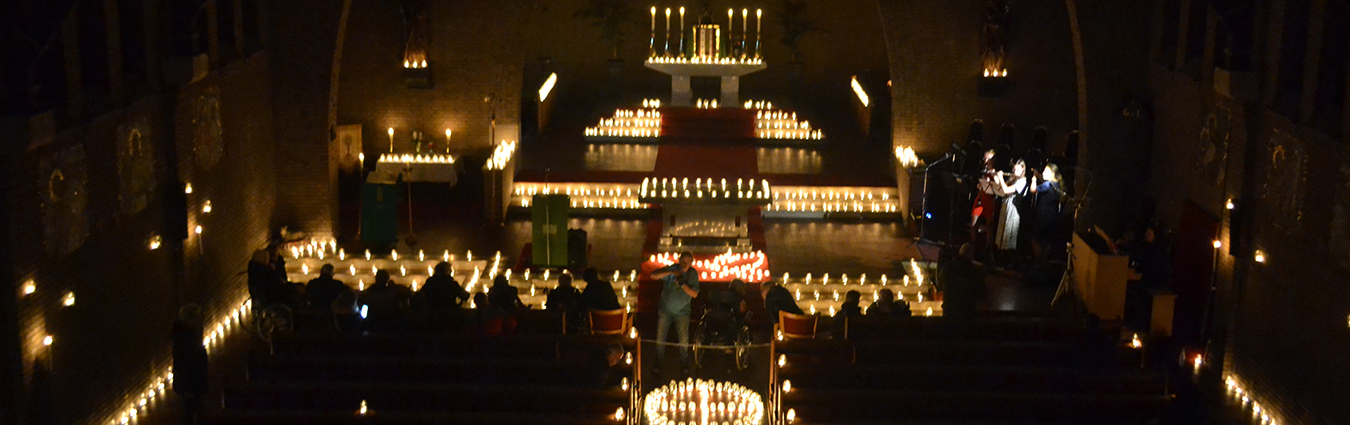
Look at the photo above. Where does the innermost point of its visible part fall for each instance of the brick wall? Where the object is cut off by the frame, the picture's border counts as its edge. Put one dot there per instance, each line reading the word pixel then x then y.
pixel 1281 324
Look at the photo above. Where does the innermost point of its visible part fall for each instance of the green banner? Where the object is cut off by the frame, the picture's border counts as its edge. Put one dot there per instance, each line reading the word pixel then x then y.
pixel 379 213
pixel 549 223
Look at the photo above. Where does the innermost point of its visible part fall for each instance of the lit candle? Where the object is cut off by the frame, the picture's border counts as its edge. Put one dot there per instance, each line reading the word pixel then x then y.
pixel 681 31
pixel 759 21
pixel 391 140
pixel 666 50
pixel 651 44
pixel 745 29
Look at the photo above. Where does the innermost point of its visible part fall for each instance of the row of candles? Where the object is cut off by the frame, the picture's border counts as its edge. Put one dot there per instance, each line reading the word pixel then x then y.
pixel 416 135
pixel 417 158
pixel 161 381
pixel 731 26
pixel 1263 415
pixel 629 123
pixel 703 401
pixel 833 207
pixel 669 187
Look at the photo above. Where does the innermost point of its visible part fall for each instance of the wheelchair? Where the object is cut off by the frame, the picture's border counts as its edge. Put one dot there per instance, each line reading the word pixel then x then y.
pixel 723 330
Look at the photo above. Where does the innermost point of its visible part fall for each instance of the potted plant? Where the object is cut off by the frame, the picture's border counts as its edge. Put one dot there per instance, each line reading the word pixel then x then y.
pixel 610 17
pixel 791 18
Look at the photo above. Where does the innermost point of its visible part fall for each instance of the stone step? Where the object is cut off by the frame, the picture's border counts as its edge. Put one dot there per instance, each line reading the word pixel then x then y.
pixel 342 417
pixel 426 397
pixel 853 405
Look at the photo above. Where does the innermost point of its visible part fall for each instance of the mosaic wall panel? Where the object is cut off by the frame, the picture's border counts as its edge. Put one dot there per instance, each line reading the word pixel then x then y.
pixel 1339 243
pixel 1212 154
pixel 63 183
pixel 135 166
pixel 207 145
pixel 1284 182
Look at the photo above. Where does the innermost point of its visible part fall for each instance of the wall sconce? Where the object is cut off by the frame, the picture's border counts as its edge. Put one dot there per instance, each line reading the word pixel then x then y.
pixel 68 300
pixel 1259 256
pixel 206 207
pixel 154 242
pixel 29 287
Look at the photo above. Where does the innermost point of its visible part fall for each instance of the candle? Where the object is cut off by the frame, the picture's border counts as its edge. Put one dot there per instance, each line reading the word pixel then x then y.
pixel 666 51
pixel 745 30
pixel 759 22
pixel 391 140
pixel 681 31
pixel 651 44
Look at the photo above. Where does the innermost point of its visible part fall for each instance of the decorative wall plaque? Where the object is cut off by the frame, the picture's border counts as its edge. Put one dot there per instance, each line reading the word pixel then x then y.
pixel 1212 154
pixel 62 190
pixel 1285 177
pixel 135 166
pixel 207 145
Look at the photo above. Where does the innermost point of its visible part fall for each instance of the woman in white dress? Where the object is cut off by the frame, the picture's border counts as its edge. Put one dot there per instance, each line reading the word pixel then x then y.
pixel 1009 220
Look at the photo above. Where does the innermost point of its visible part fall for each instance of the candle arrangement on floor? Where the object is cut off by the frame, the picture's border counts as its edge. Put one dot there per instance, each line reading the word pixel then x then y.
pixel 703 402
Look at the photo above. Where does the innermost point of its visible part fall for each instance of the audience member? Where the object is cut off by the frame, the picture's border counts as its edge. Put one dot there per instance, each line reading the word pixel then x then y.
pixel 848 310
pixel 567 299
pixel 385 304
pixel 491 319
pixel 596 367
pixel 346 314
pixel 777 298
pixel 263 287
pixel 504 296
pixel 321 291
pixel 189 360
pixel 887 306
pixel 441 291
pixel 599 294
pixel 962 281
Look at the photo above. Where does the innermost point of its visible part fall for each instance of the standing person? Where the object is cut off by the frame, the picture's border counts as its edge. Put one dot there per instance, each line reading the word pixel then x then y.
pixel 1048 194
pixel 263 287
pixel 599 294
pixel 679 289
pixel 963 285
pixel 189 361
pixel 321 291
pixel 1013 192
pixel 983 207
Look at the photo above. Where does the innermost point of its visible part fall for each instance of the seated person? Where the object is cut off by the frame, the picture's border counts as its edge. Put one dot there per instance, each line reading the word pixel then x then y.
pixel 887 306
pixel 386 304
pixel 504 296
pixel 848 310
pixel 441 291
pixel 599 294
pixel 346 314
pixel 321 291
pixel 726 308
pixel 595 367
pixel 777 298
pixel 565 297
pixel 492 320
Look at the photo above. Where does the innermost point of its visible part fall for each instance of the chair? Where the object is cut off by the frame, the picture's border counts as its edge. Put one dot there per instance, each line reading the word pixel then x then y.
pixel 797 326
pixel 608 322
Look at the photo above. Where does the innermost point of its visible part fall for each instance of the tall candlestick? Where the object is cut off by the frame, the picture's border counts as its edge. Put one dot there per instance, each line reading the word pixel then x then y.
pixel 759 22
pixel 447 140
pixel 391 140
pixel 731 27
pixel 651 44
pixel 681 31
pixel 745 30
pixel 666 50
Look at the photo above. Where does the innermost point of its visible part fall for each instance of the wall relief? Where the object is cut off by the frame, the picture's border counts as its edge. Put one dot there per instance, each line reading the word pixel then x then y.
pixel 1285 177
pixel 135 166
pixel 207 145
pixel 63 181
pixel 1212 154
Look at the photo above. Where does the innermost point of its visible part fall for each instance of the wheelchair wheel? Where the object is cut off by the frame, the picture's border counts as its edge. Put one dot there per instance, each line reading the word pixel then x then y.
pixel 743 342
pixel 699 338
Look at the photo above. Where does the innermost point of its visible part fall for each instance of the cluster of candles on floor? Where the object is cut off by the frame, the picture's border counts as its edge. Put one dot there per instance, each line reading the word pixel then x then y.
pixel 749 267
pixel 675 188
pixel 501 155
pixel 784 125
pixel 706 61
pixel 825 294
pixel 1245 398
pixel 407 158
pixel 835 207
pixel 161 381
pixel 698 401
pixel 630 123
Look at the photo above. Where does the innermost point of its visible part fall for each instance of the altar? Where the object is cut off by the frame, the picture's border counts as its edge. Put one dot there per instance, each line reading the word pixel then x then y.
pixel 709 55
pixel 437 168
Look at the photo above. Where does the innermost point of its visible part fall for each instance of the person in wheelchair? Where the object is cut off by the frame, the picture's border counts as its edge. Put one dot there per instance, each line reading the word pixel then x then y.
pixel 725 323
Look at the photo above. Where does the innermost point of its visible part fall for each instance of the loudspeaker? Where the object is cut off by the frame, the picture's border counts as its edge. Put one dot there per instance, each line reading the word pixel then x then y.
pixel 576 248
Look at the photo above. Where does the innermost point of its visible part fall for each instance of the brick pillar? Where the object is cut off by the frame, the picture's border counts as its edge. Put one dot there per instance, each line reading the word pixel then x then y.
pixel 1312 59
pixel 1183 28
pixel 213 33
pixel 70 43
pixel 112 25
pixel 238 26
pixel 151 28
pixel 1275 27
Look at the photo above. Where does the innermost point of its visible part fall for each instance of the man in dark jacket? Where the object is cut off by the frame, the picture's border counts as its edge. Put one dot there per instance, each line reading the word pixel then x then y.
pixel 324 289
pixel 777 298
pixel 599 294
pixel 442 292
